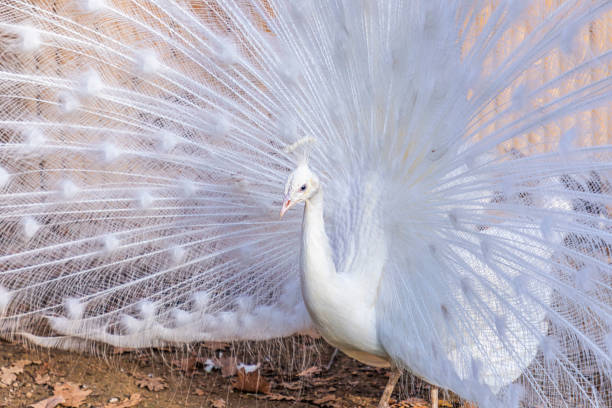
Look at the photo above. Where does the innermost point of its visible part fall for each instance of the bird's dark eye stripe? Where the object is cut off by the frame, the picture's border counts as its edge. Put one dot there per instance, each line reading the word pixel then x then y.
pixel 303 187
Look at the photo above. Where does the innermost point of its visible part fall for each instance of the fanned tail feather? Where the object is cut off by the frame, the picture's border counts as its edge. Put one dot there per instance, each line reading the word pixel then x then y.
pixel 138 149
pixel 144 149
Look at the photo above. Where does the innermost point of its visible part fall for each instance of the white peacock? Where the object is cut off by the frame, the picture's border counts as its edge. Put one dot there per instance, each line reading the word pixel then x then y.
pixel 463 148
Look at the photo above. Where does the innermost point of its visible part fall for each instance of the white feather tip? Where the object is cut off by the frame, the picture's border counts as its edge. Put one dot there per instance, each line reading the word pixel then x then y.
pixel 74 308
pixel 28 38
pixel 30 226
pixel 90 84
pixel 5 299
pixel 146 62
pixel 5 176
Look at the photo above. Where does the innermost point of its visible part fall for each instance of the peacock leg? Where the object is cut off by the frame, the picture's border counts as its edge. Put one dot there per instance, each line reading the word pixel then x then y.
pixel 396 373
pixel 331 359
pixel 434 396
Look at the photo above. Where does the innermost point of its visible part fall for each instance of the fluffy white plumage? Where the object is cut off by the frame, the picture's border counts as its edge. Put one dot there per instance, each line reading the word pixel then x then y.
pixel 462 148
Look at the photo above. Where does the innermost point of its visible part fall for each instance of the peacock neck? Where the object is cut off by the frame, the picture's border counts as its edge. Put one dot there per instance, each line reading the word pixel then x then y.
pixel 348 325
pixel 317 260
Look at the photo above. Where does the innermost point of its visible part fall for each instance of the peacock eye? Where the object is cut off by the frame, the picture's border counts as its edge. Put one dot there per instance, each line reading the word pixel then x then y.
pixel 303 187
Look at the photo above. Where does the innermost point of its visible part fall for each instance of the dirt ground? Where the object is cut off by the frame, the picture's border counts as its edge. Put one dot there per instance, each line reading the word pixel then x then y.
pixel 278 375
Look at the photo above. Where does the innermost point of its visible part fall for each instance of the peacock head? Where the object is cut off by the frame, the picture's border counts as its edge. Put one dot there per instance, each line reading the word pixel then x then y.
pixel 301 185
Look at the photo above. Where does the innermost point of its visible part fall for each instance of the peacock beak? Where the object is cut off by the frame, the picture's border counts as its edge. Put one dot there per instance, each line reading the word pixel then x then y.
pixel 286 205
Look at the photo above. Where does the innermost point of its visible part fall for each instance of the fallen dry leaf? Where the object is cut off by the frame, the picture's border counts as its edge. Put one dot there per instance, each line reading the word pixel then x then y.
pixel 293 386
pixel 216 345
pixel 309 371
pixel 150 382
pixel 190 364
pixel 229 365
pixel 358 401
pixel 199 392
pixel 42 379
pixel 50 402
pixel 251 382
pixel 22 364
pixel 218 403
pixel 132 401
pixel 412 403
pixel 319 382
pixel 72 394
pixel 324 400
pixel 123 350
pixel 56 371
pixel 278 397
pixel 187 364
pixel 8 375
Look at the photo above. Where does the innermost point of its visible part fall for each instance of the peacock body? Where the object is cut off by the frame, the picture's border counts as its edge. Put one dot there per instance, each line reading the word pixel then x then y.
pixel 462 149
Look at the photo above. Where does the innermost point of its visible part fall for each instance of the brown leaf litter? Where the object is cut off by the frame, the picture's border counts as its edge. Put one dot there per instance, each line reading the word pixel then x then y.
pixel 66 394
pixel 251 382
pixel 150 382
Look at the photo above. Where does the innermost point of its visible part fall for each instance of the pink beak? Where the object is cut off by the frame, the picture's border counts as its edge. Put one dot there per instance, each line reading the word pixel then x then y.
pixel 286 206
